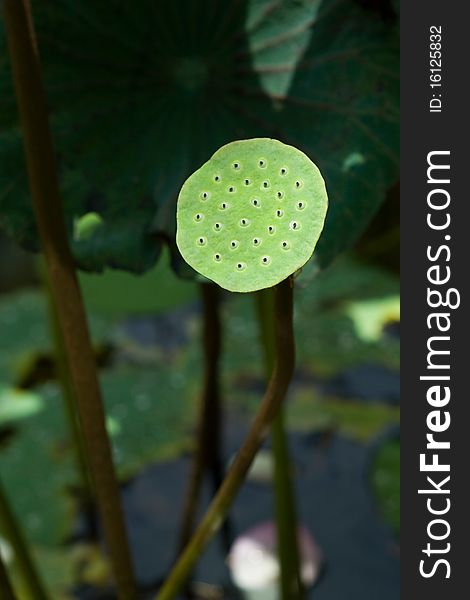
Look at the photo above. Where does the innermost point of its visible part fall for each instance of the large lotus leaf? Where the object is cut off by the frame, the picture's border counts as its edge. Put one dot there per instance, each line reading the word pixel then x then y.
pixel 142 94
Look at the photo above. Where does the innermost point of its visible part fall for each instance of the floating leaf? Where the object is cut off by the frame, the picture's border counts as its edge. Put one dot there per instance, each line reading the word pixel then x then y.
pixel 36 471
pixel 142 95
pixel 352 418
pixel 144 428
pixel 16 405
pixel 24 330
pixel 370 316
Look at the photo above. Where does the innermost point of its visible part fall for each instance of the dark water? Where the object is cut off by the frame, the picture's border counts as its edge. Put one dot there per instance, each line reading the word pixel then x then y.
pixel 366 382
pixel 335 502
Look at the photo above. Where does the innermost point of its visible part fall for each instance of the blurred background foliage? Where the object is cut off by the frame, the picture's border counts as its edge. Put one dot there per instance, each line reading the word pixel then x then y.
pixel 148 349
pixel 140 95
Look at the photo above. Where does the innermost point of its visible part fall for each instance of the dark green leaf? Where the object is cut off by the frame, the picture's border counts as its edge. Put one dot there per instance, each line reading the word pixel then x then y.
pixel 142 94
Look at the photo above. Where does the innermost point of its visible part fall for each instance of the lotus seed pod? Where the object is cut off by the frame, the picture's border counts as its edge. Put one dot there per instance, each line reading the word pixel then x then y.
pixel 251 215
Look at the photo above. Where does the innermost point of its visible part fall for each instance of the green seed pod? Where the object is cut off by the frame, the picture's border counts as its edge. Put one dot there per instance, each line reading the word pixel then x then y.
pixel 251 215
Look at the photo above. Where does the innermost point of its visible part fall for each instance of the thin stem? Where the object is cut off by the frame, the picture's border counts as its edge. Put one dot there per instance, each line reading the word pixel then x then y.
pixel 235 477
pixel 26 569
pixel 208 455
pixel 6 590
pixel 64 285
pixel 284 496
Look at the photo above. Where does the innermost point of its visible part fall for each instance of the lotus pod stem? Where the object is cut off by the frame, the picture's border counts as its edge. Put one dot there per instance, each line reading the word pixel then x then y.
pixel 272 401
pixel 291 586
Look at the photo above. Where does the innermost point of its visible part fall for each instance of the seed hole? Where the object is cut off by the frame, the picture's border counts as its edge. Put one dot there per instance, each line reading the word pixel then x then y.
pixel 231 189
pixel 262 163
pixel 280 195
pixel 285 245
pixel 265 260
pixel 217 178
pixel 271 229
pixel 198 217
pixel 205 195
pixel 247 181
pixel 265 184
pixel 236 166
pixel 279 213
pixel 294 225
pixel 217 257
pixel 223 206
pixel 255 202
pixel 240 266
pixel 298 184
pixel 218 226
pixel 301 205
pixel 256 242
pixel 234 244
pixel 283 171
pixel 201 241
pixel 244 222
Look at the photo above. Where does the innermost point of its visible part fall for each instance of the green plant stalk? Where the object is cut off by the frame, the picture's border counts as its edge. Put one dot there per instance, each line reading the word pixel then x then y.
pixel 65 381
pixel 29 576
pixel 49 216
pixel 272 401
pixel 6 591
pixel 207 456
pixel 284 496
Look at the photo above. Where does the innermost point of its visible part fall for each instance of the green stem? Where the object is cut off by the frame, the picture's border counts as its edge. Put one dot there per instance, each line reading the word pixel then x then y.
pixel 207 456
pixel 284 496
pixel 49 215
pixel 29 577
pixel 6 590
pixel 236 475
pixel 65 381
